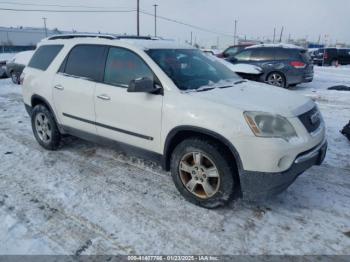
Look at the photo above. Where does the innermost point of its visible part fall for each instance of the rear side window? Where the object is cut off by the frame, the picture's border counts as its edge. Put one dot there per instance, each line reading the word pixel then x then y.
pixel 86 61
pixel 43 56
pixel 244 55
pixel 122 66
pixel 285 54
pixel 263 54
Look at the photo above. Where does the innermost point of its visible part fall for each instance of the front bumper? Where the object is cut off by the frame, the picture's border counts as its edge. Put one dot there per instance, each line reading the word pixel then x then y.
pixel 259 185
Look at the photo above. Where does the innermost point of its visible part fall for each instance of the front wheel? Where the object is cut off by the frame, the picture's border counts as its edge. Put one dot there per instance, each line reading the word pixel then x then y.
pixel 276 79
pixel 202 173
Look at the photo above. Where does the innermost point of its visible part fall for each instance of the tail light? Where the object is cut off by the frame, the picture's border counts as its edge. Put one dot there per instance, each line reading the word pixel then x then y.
pixel 298 64
pixel 21 78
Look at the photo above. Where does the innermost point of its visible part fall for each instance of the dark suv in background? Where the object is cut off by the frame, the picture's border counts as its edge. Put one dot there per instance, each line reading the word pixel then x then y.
pixel 232 50
pixel 331 56
pixel 283 65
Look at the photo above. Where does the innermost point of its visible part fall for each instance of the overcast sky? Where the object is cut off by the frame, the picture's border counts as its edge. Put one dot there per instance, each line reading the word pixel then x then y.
pixel 256 18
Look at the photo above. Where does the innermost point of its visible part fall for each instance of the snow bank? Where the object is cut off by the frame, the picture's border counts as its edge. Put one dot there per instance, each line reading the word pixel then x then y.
pixel 6 56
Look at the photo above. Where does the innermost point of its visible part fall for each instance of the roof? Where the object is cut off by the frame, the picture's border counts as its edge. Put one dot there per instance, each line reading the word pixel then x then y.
pixel 157 44
pixel 143 42
pixel 281 45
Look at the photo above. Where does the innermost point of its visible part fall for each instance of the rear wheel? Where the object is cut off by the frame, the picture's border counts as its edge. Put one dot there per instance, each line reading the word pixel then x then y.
pixel 45 128
pixel 276 79
pixel 202 173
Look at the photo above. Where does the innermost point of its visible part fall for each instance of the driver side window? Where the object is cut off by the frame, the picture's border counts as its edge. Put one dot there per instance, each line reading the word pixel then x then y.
pixel 123 66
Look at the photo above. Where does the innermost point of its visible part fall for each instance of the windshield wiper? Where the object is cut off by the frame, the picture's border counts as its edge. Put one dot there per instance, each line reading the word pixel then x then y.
pixel 204 89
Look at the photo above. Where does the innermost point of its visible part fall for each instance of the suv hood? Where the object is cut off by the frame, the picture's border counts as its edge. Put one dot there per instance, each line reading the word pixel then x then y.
pixel 254 96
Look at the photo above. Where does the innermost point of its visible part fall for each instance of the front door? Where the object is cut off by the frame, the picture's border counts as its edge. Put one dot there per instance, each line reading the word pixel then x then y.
pixel 132 118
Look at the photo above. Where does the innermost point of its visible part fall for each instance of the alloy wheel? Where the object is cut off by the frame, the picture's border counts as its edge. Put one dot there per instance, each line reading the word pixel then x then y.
pixel 199 175
pixel 276 80
pixel 43 128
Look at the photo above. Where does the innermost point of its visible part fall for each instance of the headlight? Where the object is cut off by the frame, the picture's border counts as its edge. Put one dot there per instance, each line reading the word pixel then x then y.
pixel 269 125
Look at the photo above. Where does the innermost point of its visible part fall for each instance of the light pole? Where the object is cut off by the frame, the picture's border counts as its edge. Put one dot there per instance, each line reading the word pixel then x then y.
pixel 235 35
pixel 155 20
pixel 44 18
pixel 138 18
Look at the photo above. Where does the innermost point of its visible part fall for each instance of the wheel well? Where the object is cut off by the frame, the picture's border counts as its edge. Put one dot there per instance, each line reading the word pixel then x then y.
pixel 186 134
pixel 36 100
pixel 229 151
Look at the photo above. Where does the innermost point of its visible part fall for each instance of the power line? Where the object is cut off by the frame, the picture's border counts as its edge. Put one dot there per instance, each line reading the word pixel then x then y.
pixel 118 11
pixel 186 24
pixel 56 5
pixel 67 11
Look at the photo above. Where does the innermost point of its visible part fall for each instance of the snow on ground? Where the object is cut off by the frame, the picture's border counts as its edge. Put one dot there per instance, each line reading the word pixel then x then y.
pixel 89 199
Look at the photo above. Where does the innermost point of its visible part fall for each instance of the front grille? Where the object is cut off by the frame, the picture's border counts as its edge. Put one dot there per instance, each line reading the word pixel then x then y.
pixel 311 119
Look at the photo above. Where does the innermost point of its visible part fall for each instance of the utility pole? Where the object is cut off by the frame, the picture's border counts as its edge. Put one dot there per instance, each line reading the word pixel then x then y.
pixel 274 35
pixel 319 39
pixel 138 18
pixel 155 20
pixel 235 35
pixel 191 38
pixel 281 34
pixel 44 18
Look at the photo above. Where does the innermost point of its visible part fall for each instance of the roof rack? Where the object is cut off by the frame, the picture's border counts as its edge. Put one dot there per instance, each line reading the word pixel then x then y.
pixel 71 36
pixel 136 37
pixel 104 36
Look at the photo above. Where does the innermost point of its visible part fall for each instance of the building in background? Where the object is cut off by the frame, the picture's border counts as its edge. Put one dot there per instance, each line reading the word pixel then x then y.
pixel 15 39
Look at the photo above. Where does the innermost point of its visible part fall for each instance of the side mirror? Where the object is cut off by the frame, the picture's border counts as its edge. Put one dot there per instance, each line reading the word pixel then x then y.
pixel 143 85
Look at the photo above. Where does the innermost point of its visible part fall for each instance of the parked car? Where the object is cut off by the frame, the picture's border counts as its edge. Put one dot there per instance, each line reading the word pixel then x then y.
pixel 15 66
pixel 4 57
pixel 220 136
pixel 246 71
pixel 325 56
pixel 211 51
pixel 332 56
pixel 232 50
pixel 283 65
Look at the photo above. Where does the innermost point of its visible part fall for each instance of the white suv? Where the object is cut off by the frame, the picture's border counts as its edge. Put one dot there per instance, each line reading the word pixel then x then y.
pixel 220 136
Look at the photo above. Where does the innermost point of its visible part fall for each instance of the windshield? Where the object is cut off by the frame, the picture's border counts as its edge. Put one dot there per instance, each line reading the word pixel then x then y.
pixel 191 69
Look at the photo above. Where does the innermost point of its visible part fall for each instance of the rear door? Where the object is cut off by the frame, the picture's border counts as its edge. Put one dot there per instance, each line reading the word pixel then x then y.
pixel 132 118
pixel 74 86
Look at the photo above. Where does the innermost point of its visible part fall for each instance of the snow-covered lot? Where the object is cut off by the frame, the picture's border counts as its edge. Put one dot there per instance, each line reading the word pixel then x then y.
pixel 88 199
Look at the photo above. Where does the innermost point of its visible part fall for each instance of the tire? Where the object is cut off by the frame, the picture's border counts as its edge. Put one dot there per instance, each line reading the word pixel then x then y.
pixel 45 128
pixel 293 85
pixel 15 78
pixel 276 79
pixel 223 183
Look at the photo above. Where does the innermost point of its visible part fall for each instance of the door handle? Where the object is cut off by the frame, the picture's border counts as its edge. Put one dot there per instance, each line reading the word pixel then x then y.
pixel 104 97
pixel 59 87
